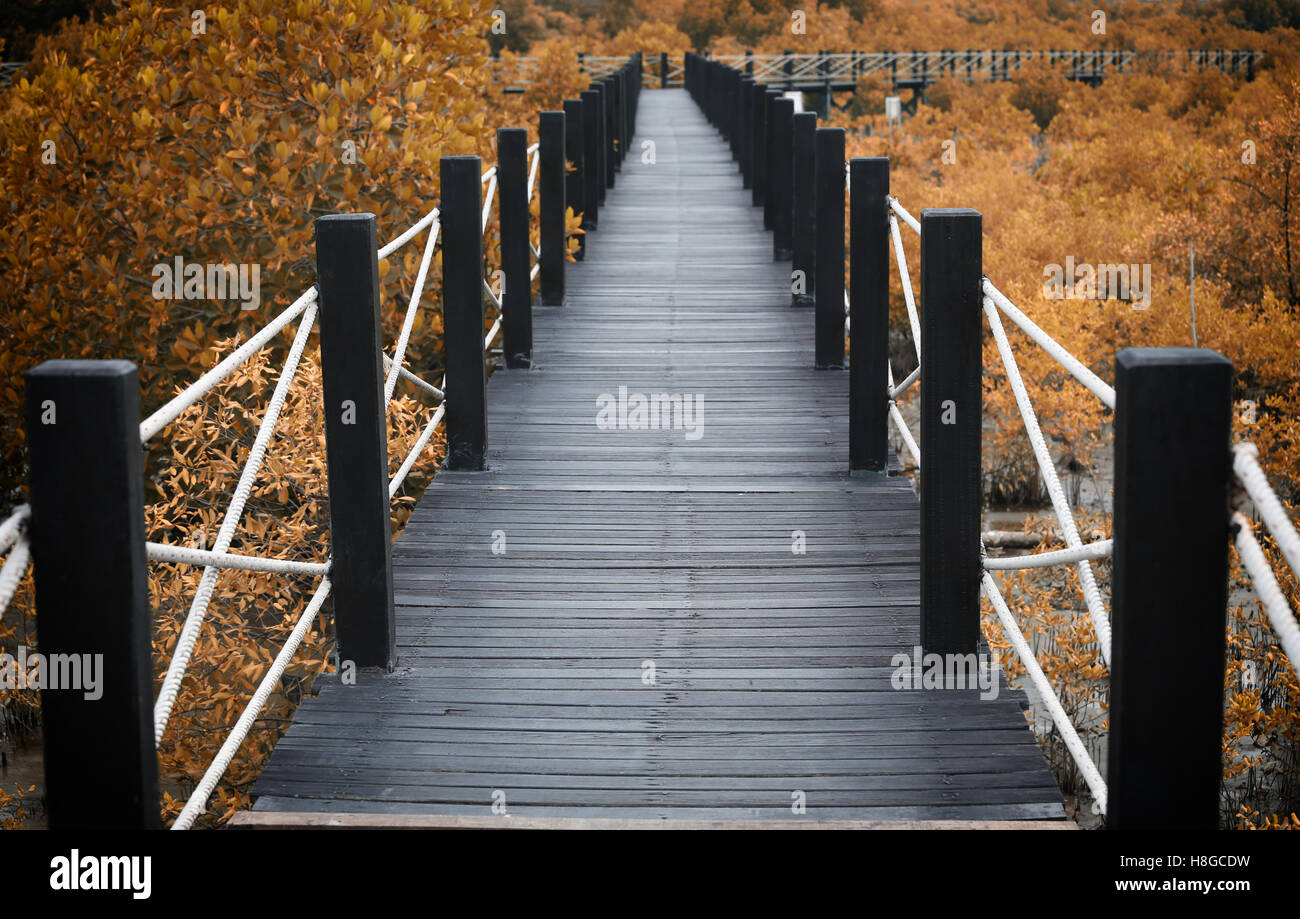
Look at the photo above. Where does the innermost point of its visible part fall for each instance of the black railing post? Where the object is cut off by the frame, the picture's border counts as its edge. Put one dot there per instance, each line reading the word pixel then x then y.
pixel 869 313
pixel 88 544
pixel 829 265
pixel 574 151
pixel 804 210
pixel 593 181
pixel 611 132
pixel 951 409
pixel 782 178
pixel 551 183
pixel 1173 424
pixel 516 262
pixel 745 142
pixel 759 142
pixel 663 70
pixel 601 119
pixel 356 438
pixel 462 309
pixel 772 171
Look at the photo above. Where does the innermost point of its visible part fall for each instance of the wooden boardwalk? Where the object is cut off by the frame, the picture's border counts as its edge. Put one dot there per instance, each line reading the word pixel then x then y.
pixel 648 643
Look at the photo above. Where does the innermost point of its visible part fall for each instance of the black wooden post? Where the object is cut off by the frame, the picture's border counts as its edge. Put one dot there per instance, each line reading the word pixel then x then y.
pixel 551 188
pixel 745 142
pixel 87 537
pixel 462 311
pixel 611 131
pixel 663 70
pixel 868 313
pixel 602 157
pixel 782 178
pixel 593 182
pixel 1173 424
pixel 758 122
pixel 574 152
pixel 516 262
pixel 828 269
pixel 803 209
pixel 772 170
pixel 951 407
pixel 356 438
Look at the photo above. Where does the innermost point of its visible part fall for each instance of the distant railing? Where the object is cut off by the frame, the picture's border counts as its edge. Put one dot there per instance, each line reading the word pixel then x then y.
pixel 1164 639
pixel 88 543
pixel 917 69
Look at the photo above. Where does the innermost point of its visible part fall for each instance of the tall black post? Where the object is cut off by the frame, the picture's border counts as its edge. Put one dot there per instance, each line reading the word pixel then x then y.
pixel 803 157
pixel 758 121
pixel 356 438
pixel 551 183
pixel 593 181
pixel 745 142
pixel 462 311
pixel 575 151
pixel 951 409
pixel 516 263
pixel 782 179
pixel 828 293
pixel 88 544
pixel 772 167
pixel 869 313
pixel 611 131
pixel 1173 425
pixel 663 70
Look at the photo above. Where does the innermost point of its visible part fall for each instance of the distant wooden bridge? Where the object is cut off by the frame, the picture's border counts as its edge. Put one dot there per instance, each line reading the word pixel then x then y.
pixel 669 575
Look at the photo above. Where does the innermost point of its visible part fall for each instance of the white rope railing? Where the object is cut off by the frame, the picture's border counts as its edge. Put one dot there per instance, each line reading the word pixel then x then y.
pixel 396 481
pixel 206 383
pixel 1047 468
pixel 1047 694
pixel 408 321
pixel 905 279
pixel 1067 360
pixel 409 235
pixel 411 378
pixel 252 465
pixel 1103 548
pixel 1245 465
pixel 183 555
pixel 902 213
pixel 13 538
pixel 198 801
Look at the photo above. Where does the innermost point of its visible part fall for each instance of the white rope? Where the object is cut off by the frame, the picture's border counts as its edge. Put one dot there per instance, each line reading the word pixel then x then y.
pixel 199 607
pixel 1058 353
pixel 533 149
pixel 14 527
pixel 204 384
pixel 537 269
pixel 487 201
pixel 412 378
pixel 899 423
pixel 492 294
pixel 492 333
pixel 11 573
pixel 1270 594
pixel 1047 694
pixel 1100 549
pixel 409 235
pixel 906 278
pixel 490 174
pixel 420 443
pixel 160 552
pixel 198 801
pixel 902 212
pixel 408 321
pixel 1064 517
pixel 904 386
pixel 1245 463
pixel 532 169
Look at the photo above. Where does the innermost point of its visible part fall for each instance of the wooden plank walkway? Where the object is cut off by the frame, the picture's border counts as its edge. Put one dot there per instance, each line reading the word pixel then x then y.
pixel 526 672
